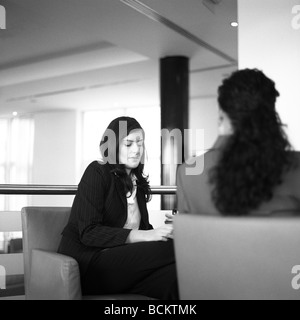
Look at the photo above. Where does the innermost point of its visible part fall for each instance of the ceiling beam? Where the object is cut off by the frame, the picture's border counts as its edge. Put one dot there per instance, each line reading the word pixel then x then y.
pixel 157 17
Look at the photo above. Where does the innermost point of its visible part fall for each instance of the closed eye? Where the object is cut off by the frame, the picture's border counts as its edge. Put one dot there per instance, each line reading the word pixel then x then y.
pixel 128 143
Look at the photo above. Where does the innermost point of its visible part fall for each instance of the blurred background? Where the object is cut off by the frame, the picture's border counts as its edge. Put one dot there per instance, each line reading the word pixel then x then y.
pixel 67 68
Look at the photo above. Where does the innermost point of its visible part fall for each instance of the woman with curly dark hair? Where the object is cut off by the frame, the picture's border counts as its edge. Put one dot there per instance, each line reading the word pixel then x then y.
pixel 109 233
pixel 251 168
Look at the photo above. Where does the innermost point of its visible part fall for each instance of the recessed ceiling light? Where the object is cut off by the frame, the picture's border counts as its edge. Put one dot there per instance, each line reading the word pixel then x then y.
pixel 15 113
pixel 234 24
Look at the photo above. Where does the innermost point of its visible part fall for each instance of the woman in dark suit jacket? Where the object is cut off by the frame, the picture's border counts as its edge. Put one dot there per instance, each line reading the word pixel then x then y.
pixel 251 170
pixel 109 233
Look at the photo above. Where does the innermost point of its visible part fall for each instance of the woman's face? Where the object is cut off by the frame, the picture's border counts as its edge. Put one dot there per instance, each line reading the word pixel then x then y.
pixel 224 126
pixel 131 150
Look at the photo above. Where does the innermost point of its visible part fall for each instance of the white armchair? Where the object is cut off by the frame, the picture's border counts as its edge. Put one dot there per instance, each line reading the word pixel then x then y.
pixel 49 275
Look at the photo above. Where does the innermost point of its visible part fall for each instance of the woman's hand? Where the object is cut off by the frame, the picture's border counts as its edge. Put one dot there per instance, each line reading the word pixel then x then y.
pixel 163 233
pixel 170 216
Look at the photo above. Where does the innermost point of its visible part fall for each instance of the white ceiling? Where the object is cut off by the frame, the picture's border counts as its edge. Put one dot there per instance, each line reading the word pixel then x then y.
pixel 91 54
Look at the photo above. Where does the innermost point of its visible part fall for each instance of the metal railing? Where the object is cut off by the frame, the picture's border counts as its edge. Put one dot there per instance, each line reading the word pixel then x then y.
pixel 15 189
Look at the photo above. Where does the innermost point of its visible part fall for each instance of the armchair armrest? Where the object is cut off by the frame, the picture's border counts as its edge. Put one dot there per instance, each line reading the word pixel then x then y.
pixel 53 277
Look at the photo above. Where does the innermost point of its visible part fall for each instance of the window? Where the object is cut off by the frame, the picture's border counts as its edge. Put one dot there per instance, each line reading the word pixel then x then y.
pixel 16 157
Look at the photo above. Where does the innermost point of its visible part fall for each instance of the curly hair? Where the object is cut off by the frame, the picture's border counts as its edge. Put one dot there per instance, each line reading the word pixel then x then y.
pixel 256 155
pixel 118 129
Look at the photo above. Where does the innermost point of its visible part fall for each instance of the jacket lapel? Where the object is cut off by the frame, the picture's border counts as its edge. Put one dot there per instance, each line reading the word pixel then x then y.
pixel 143 210
pixel 120 190
pixel 140 199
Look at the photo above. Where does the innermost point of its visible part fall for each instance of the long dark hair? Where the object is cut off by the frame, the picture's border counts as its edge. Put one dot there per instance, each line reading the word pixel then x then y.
pixel 117 130
pixel 255 156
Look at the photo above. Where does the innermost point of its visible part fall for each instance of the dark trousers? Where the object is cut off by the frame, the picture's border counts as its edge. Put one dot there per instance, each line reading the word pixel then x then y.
pixel 145 268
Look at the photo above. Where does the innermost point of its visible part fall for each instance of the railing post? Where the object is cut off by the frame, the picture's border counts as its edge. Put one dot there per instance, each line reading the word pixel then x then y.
pixel 18 189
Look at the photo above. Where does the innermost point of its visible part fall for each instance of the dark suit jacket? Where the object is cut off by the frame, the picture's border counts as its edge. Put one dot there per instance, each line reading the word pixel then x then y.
pixel 98 215
pixel 194 191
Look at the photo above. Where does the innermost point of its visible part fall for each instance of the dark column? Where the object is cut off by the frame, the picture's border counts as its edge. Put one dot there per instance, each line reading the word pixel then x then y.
pixel 174 90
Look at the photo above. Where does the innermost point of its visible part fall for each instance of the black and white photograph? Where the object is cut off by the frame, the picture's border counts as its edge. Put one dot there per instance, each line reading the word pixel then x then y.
pixel 149 153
